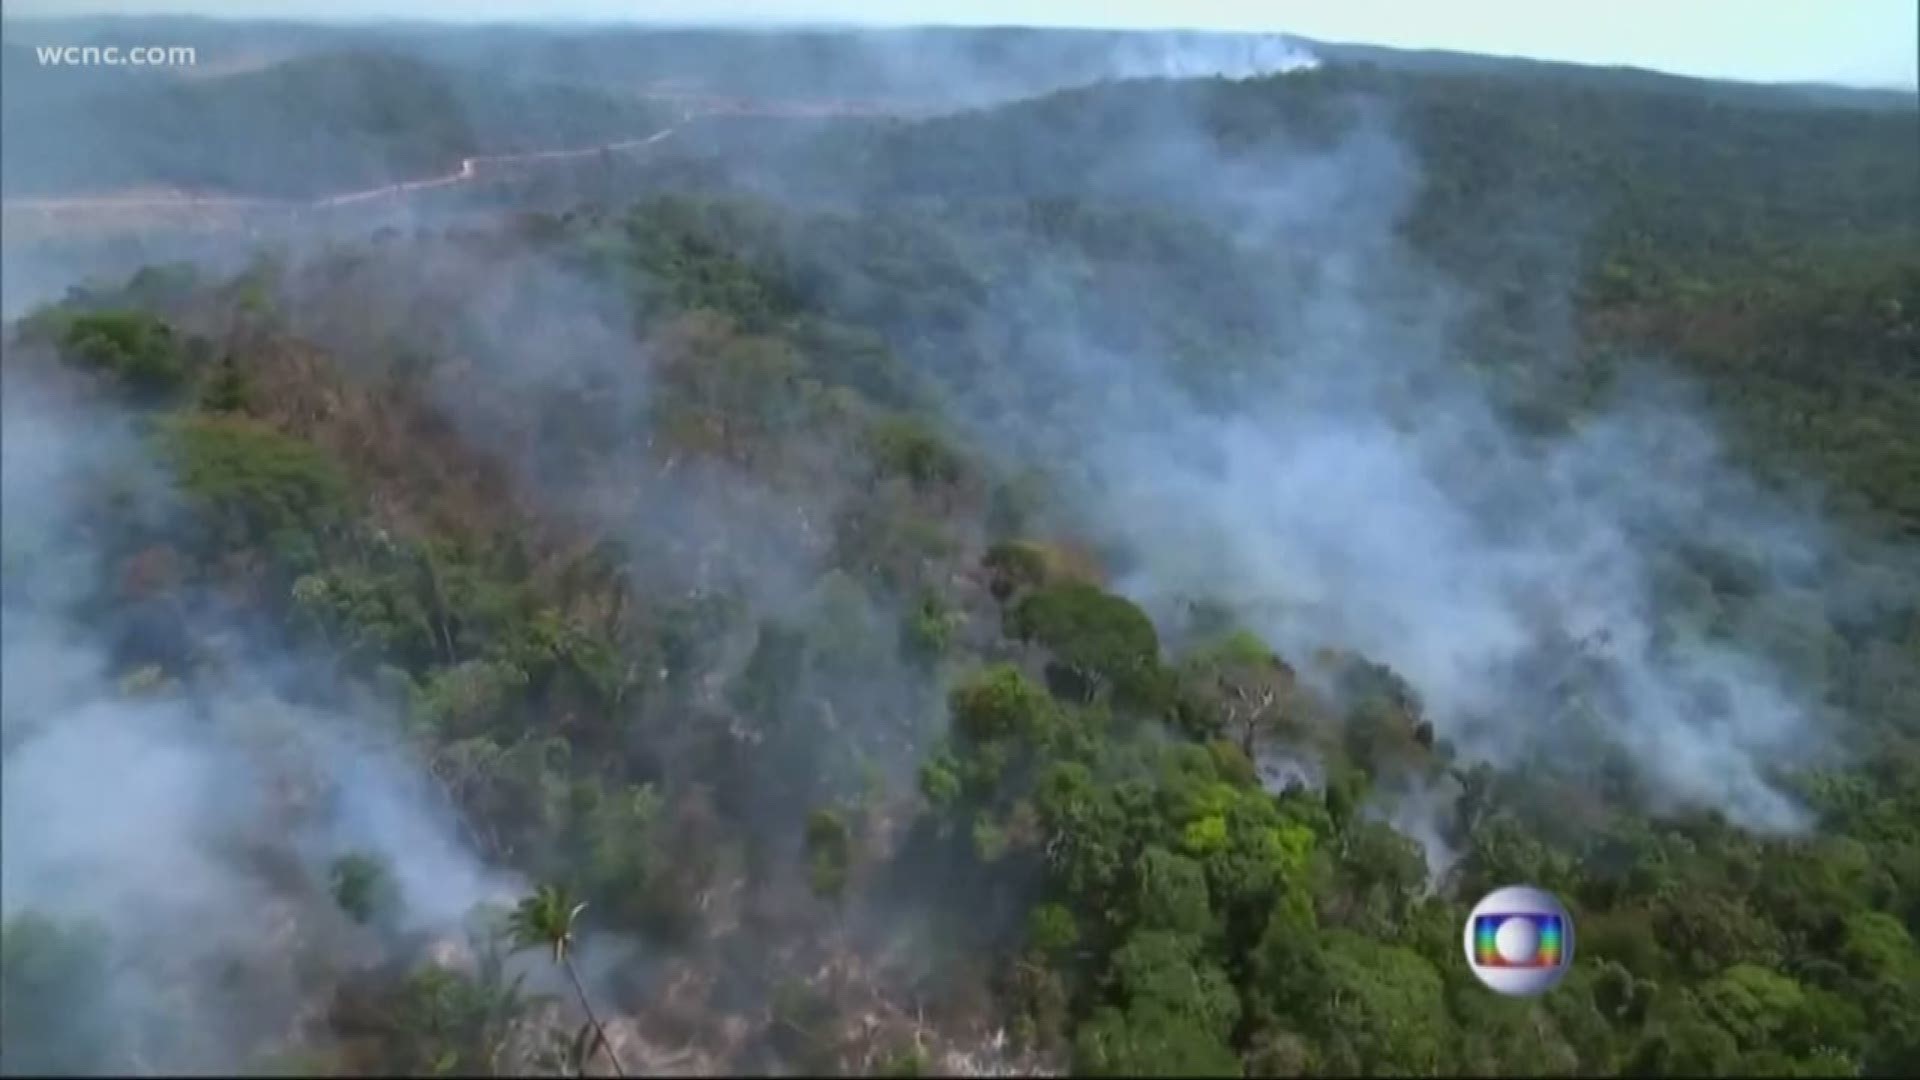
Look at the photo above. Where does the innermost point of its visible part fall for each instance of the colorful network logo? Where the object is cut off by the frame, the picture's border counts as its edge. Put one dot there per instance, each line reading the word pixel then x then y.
pixel 1519 940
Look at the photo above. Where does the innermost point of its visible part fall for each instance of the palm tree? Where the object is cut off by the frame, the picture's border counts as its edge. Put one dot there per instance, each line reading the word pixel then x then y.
pixel 545 920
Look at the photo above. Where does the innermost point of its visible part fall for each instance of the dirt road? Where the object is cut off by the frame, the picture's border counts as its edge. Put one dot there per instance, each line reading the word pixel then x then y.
pixel 187 208
pixel 470 169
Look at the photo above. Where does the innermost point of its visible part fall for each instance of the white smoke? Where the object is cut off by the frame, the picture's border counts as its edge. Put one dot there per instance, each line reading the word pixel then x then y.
pixel 1362 488
pixel 1195 56
pixel 191 816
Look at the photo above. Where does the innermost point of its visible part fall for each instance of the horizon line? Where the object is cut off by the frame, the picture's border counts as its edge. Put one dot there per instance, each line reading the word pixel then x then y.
pixel 566 23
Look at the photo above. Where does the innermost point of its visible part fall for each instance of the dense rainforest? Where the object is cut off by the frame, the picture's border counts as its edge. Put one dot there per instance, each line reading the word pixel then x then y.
pixel 1100 583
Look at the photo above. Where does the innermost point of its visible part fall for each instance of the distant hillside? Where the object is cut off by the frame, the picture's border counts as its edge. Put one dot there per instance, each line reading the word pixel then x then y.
pixel 1444 62
pixel 1724 176
pixel 303 126
pixel 1681 217
pixel 979 63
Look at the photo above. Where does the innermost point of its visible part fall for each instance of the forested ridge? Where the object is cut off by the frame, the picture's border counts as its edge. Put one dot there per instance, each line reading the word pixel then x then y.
pixel 306 126
pixel 779 567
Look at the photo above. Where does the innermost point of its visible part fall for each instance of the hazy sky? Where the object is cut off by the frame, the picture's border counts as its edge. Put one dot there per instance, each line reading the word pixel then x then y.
pixel 1853 41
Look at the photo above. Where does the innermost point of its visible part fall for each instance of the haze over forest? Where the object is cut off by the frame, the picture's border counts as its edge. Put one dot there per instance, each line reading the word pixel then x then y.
pixel 1865 43
pixel 966 551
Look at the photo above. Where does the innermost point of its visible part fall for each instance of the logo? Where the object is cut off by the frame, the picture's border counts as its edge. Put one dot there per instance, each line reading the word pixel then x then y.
pixel 1519 940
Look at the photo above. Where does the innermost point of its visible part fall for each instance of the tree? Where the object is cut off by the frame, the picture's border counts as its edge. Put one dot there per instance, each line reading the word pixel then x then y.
pixel 1707 932
pixel 1179 1009
pixel 256 485
pixel 1384 874
pixel 1173 970
pixel 1014 565
pixel 362 886
pixel 905 446
pixel 1239 681
pixel 433 1020
pixel 1052 930
pixel 1172 893
pixel 53 980
pixel 1098 641
pixel 600 578
pixel 829 852
pixel 1374 1008
pixel 1149 1040
pixel 227 391
pixel 1683 1042
pixel 927 632
pixel 998 703
pixel 142 352
pixel 546 920
pixel 1751 1003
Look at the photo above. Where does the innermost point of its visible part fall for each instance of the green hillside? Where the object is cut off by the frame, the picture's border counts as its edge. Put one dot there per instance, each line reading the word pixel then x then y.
pixel 311 125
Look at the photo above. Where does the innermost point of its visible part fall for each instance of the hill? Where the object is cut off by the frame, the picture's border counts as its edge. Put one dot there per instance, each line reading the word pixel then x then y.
pixel 1101 582
pixel 305 126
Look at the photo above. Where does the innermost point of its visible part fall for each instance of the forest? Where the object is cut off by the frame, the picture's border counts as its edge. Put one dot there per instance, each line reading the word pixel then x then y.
pixel 332 121
pixel 1097 583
